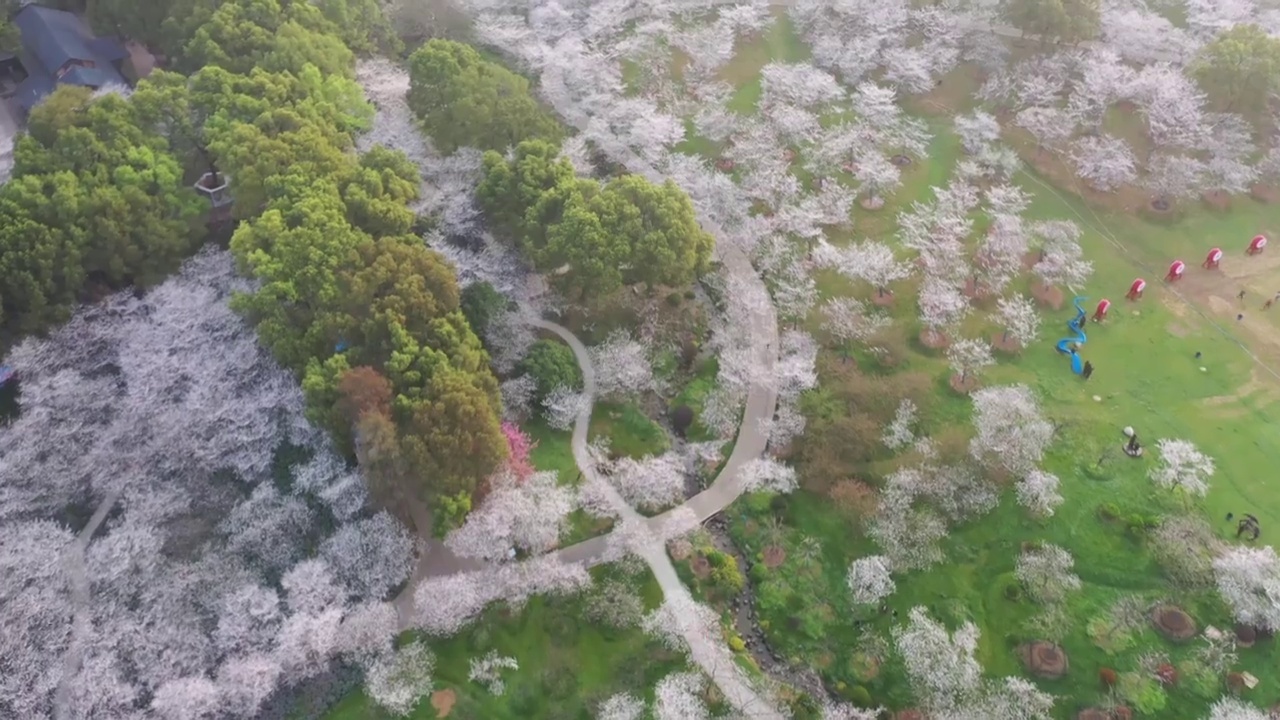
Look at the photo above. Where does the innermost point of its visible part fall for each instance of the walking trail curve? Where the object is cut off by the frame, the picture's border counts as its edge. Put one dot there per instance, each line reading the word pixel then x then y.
pixel 709 654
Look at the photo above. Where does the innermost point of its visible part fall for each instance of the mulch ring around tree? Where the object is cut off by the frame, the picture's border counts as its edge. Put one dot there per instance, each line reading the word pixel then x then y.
pixel 1173 622
pixel 1006 343
pixel 900 160
pixel 1044 659
pixel 773 556
pixel 871 203
pixel 1246 635
pixel 909 714
pixel 1093 714
pixel 934 339
pixel 1047 295
pixel 1216 200
pixel 882 299
pixel 443 701
pixel 700 566
pixel 965 386
pixel 1269 194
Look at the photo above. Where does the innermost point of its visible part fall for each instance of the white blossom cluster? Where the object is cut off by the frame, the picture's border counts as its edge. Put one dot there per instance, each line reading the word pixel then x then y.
pixel 1249 580
pixel 528 515
pixel 870 579
pixel 1046 573
pixel 127 411
pixel 1182 467
pixel 487 671
pixel 947 678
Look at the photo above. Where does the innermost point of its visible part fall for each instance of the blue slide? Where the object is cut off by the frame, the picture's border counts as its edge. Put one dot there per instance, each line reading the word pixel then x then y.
pixel 1074 325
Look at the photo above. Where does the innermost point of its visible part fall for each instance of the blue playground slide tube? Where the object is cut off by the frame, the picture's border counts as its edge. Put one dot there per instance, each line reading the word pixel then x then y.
pixel 1074 325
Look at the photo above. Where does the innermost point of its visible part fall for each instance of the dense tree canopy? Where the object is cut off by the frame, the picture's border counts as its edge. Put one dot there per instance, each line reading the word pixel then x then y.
pixel 95 196
pixel 465 100
pixel 1240 69
pixel 346 296
pixel 1066 20
pixel 593 237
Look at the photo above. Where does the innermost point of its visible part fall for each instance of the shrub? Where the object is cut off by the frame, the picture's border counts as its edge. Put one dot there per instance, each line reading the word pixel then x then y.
pixel 1142 692
pixel 728 577
pixel 682 419
pixel 737 644
pixel 1108 677
pixel 1108 511
pixel 1013 591
pixel 481 304
pixel 860 696
pixel 552 365
pixel 718 559
pixel 673 299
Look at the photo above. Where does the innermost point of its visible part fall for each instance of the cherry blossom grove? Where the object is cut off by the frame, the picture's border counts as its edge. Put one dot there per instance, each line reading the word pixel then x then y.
pixel 152 603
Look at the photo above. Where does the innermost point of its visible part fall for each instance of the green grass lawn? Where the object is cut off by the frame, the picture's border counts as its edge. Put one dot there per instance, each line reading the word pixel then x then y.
pixel 567 666
pixel 1147 376
pixel 629 431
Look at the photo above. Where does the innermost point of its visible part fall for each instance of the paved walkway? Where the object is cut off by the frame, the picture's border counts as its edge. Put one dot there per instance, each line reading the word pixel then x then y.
pixel 705 649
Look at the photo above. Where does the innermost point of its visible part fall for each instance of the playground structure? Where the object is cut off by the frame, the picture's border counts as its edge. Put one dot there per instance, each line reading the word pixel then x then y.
pixel 1136 288
pixel 1104 306
pixel 1070 346
pixel 1176 270
pixel 1212 260
pixel 1257 245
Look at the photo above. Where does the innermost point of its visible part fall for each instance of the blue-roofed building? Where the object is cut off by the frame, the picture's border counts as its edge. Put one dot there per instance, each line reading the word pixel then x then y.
pixel 59 49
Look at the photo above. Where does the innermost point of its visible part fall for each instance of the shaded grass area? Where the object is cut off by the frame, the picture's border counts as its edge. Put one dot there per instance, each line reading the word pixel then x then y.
pixel 629 431
pixel 694 395
pixel 567 666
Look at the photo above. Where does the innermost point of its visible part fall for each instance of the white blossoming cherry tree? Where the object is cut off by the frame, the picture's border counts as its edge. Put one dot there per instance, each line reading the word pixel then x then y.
pixel 1019 321
pixel 1011 435
pixel 870 579
pixel 1183 468
pixel 968 358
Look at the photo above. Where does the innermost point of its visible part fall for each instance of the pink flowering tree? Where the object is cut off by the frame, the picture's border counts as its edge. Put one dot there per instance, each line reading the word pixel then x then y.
pixel 519 447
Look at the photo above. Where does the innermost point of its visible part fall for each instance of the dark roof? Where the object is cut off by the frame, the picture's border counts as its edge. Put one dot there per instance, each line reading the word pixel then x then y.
pixel 37 85
pixel 52 38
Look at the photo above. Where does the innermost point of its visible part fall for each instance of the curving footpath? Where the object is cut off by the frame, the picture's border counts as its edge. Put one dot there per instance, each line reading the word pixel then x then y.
pixel 713 657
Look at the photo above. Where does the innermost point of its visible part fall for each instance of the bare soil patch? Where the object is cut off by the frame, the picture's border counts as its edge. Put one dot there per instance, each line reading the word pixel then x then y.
pixel 1005 343
pixel 1216 200
pixel 934 339
pixel 1047 295
pixel 443 701
pixel 1269 194
pixel 882 299
pixel 965 385
pixel 773 556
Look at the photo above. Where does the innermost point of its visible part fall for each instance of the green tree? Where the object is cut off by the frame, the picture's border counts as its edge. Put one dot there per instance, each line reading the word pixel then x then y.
pixel 1069 21
pixel 395 286
pixel 362 25
pixel 509 189
pixel 451 434
pixel 242 35
pixel 482 304
pixel 378 192
pixel 137 214
pixel 298 253
pixel 41 255
pixel 141 20
pixel 465 100
pixel 551 365
pixel 584 257
pixel 1240 70
pixel 667 246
